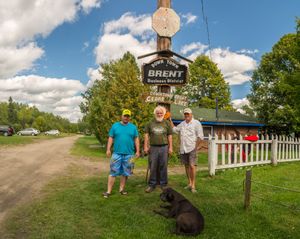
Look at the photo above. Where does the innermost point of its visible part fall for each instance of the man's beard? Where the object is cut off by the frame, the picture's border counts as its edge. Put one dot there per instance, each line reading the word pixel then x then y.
pixel 159 119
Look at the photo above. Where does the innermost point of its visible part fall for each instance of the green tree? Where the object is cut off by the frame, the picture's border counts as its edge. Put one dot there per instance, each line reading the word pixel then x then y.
pixel 40 123
pixel 3 113
pixel 25 116
pixel 275 85
pixel 120 88
pixel 205 84
pixel 12 114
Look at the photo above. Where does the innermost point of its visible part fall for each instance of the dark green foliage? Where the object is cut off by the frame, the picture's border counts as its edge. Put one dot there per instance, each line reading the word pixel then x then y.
pixel 275 86
pixel 205 84
pixel 120 88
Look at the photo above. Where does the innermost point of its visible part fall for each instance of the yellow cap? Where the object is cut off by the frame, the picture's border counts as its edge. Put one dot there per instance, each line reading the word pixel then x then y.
pixel 126 112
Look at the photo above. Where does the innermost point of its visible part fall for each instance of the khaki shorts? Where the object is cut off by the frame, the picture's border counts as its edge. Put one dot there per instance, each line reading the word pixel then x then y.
pixel 189 158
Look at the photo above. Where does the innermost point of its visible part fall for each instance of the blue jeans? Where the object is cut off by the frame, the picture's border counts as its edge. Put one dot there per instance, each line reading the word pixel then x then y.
pixel 158 160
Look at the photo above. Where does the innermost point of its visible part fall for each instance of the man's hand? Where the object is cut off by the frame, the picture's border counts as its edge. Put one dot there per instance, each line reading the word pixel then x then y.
pixel 108 153
pixel 146 149
pixel 170 150
pixel 137 154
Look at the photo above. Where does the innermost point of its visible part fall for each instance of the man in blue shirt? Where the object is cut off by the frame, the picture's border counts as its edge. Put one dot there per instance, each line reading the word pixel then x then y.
pixel 124 136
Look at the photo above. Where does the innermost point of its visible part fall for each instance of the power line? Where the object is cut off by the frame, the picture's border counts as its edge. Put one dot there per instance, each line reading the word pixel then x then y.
pixel 205 19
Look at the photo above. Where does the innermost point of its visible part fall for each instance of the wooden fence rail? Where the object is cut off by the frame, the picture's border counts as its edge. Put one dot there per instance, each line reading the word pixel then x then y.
pixel 230 152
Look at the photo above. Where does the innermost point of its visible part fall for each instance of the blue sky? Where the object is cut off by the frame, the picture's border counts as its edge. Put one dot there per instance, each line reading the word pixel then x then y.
pixel 50 50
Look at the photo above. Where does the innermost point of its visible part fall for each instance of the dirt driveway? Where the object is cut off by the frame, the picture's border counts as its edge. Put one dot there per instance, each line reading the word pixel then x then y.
pixel 25 169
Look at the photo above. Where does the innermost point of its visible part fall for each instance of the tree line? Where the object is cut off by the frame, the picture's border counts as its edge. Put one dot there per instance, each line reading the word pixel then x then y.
pixel 21 116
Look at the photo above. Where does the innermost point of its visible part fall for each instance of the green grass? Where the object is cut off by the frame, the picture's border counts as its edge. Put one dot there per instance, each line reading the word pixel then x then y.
pixel 88 146
pixel 74 208
pixel 20 140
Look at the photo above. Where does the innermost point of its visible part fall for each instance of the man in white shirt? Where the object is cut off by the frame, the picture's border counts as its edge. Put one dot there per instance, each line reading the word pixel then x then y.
pixel 191 133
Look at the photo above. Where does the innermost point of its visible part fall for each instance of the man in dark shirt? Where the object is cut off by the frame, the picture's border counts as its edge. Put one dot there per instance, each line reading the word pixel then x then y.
pixel 158 143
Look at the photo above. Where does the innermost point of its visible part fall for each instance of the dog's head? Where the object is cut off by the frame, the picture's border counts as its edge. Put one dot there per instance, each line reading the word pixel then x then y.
pixel 167 195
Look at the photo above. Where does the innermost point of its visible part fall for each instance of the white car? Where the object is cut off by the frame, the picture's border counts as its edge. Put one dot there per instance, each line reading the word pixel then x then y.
pixel 29 131
pixel 52 132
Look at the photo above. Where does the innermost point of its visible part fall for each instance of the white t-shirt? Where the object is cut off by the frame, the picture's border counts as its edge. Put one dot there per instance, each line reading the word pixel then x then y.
pixel 189 133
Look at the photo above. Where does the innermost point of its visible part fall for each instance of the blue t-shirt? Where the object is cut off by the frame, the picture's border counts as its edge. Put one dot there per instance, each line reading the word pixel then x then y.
pixel 123 136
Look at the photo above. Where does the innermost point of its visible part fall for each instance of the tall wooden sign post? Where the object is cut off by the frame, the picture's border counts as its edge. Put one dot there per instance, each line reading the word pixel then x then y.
pixel 163 43
pixel 163 70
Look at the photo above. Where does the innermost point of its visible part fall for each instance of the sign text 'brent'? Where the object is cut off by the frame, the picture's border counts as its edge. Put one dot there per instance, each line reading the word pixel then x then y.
pixel 164 72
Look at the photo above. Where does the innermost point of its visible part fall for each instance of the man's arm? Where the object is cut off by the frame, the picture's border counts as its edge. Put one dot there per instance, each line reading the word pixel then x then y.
pixel 108 148
pixel 137 146
pixel 146 143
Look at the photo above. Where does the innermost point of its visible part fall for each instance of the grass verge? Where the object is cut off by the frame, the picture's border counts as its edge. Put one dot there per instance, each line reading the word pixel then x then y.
pixel 74 208
pixel 20 140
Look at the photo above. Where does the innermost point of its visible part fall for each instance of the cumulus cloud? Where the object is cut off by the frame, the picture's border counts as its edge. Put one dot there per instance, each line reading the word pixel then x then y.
pixel 59 96
pixel 93 74
pixel 16 59
pixel 22 21
pixel 235 66
pixel 239 103
pixel 189 18
pixel 128 33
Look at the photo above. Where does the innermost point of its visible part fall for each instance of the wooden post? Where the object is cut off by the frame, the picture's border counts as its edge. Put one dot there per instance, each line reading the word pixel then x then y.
pixel 274 151
pixel 211 157
pixel 247 189
pixel 164 43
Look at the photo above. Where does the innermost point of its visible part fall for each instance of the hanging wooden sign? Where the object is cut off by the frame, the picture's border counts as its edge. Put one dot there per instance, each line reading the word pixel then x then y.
pixel 166 98
pixel 164 71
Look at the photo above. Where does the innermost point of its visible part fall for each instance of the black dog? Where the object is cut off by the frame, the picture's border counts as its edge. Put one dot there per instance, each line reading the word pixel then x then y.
pixel 189 220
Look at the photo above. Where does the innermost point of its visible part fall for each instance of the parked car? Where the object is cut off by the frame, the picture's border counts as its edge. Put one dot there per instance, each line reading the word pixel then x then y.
pixel 29 131
pixel 52 132
pixel 6 130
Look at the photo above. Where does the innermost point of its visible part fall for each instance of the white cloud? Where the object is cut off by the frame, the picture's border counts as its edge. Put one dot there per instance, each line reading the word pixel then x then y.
pixel 248 52
pixel 239 103
pixel 196 48
pixel 22 21
pixel 58 96
pixel 88 5
pixel 16 59
pixel 189 18
pixel 235 66
pixel 128 33
pixel 93 74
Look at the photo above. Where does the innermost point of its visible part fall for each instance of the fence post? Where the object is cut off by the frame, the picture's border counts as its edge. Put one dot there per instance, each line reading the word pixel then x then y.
pixel 247 189
pixel 211 157
pixel 274 151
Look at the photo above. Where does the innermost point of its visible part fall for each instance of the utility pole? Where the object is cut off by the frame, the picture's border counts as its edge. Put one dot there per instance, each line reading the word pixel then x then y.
pixel 164 43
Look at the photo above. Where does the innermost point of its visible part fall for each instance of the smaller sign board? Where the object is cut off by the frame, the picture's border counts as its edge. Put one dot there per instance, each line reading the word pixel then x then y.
pixel 166 98
pixel 164 71
pixel 165 22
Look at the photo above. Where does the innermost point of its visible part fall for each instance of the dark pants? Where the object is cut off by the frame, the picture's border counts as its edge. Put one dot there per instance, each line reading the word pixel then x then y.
pixel 158 159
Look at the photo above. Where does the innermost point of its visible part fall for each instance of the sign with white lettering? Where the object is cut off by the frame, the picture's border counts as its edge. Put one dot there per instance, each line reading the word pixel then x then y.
pixel 166 98
pixel 164 71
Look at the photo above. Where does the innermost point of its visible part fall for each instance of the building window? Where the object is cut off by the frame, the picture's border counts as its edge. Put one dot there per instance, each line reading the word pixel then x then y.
pixel 208 130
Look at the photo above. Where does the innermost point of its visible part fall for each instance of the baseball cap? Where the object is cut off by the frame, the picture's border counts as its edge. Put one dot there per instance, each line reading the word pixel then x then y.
pixel 187 111
pixel 126 112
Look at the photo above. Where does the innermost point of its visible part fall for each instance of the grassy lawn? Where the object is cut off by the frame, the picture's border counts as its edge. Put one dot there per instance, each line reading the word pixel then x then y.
pixel 88 146
pixel 20 140
pixel 73 207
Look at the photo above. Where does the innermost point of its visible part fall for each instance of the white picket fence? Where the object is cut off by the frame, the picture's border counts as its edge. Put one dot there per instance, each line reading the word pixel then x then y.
pixel 227 153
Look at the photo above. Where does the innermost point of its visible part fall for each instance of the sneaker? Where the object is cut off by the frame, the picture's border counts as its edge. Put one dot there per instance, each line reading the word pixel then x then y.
pixel 105 194
pixel 149 189
pixel 163 187
pixel 123 192
pixel 193 190
pixel 188 187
